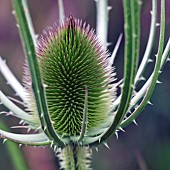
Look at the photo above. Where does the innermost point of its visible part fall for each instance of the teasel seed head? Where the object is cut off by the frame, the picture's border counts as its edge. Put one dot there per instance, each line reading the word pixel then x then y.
pixel 72 59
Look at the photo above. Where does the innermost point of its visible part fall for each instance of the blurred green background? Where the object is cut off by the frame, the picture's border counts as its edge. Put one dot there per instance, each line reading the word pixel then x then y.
pixel 146 146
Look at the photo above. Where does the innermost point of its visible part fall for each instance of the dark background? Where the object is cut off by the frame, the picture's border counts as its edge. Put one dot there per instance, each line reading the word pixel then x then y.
pixel 147 144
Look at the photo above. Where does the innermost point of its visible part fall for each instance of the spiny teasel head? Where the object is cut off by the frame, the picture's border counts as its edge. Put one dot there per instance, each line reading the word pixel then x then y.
pixel 73 63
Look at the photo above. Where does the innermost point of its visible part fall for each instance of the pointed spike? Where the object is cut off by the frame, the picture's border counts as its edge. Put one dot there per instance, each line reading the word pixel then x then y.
pixel 140 2
pixel 150 103
pixel 135 92
pixel 15 127
pixel 28 130
pixel 38 128
pixel 3 112
pixel 52 142
pixel 45 127
pixel 13 12
pixel 108 44
pixel 134 121
pixel 109 8
pixel 52 122
pixel 36 36
pixel 133 86
pixel 56 151
pixel 99 140
pixel 97 149
pixel 16 94
pixel 90 150
pixel 45 85
pixel 150 60
pixel 121 85
pixel 15 100
pixel 51 145
pixel 21 121
pixel 55 147
pixel 120 128
pixel 157 24
pixel 41 115
pixel 142 78
pixel 116 133
pixel 4 141
pixel 105 144
pixel 20 145
pixel 158 82
pixel 59 149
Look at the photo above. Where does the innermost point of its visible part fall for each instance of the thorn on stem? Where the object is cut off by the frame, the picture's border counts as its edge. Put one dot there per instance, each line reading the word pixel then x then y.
pixel 105 144
pixel 158 82
pixel 134 121
pixel 116 133
pixel 109 8
pixel 157 24
pixel 150 103
pixel 150 60
pixel 96 149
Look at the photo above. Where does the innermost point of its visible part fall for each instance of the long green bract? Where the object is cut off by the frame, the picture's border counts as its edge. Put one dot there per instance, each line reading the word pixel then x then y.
pixel 131 58
pixel 156 71
pixel 37 84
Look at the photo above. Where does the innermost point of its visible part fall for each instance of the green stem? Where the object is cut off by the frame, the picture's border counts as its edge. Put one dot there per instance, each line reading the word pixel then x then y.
pixel 74 157
pixel 37 83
